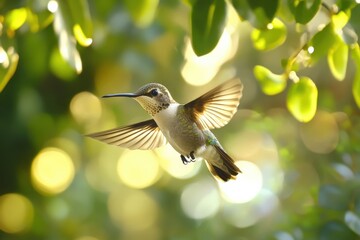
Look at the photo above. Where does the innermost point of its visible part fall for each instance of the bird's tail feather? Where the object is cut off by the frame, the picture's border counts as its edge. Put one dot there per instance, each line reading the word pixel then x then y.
pixel 229 171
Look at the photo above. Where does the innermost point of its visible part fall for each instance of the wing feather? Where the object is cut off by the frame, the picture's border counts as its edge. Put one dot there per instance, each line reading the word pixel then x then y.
pixel 215 108
pixel 142 135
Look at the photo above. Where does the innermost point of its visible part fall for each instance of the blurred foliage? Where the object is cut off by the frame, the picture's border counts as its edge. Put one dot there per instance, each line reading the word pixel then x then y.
pixel 299 149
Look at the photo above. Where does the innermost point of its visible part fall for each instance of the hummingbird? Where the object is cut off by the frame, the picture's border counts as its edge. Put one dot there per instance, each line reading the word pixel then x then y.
pixel 185 126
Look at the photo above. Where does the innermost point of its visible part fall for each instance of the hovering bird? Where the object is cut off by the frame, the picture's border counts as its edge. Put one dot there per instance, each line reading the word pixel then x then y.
pixel 185 126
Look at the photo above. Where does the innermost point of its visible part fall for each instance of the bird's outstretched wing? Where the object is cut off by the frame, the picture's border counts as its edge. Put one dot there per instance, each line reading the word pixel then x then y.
pixel 142 135
pixel 215 108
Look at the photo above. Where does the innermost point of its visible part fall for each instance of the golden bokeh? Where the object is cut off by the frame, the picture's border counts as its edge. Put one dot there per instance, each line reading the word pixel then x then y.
pixel 85 108
pixel 321 134
pixel 201 199
pixel 16 213
pixel 86 238
pixel 170 161
pixel 110 77
pixel 245 144
pixel 247 185
pixel 138 169
pixel 101 172
pixel 52 171
pixel 133 210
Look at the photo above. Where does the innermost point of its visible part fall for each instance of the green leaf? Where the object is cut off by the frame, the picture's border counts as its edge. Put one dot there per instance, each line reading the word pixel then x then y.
pixel 60 67
pixel 270 83
pixel 259 13
pixel 208 22
pixel 15 18
pixel 301 10
pixel 322 42
pixel 264 9
pixel 271 37
pixel 81 22
pixel 302 99
pixel 335 230
pixel 344 5
pixel 142 11
pixel 356 83
pixel 352 221
pixel 332 197
pixel 338 58
pixel 8 65
pixel 80 36
pixel 38 19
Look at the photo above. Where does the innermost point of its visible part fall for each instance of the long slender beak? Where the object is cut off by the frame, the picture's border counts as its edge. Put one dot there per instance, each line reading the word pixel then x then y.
pixel 131 95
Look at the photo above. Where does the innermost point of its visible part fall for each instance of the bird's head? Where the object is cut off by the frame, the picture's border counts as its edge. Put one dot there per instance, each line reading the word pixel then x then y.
pixel 153 97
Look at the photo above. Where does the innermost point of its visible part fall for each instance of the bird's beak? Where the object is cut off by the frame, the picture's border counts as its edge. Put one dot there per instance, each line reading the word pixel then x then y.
pixel 130 95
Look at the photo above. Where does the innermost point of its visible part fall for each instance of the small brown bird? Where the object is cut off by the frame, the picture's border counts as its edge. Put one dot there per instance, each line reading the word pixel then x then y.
pixel 185 126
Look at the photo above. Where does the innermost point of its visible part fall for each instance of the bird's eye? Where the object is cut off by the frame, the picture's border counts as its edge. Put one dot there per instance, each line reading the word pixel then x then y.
pixel 154 92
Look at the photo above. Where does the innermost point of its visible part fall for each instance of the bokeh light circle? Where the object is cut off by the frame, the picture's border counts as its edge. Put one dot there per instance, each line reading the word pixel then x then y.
pixel 85 107
pixel 200 200
pixel 243 215
pixel 16 213
pixel 138 169
pixel 86 238
pixel 321 134
pixel 170 161
pixel 52 170
pixel 133 210
pixel 246 186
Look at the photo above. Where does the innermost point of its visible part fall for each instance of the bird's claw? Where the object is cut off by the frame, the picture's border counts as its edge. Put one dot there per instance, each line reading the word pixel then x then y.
pixel 192 156
pixel 189 158
pixel 184 160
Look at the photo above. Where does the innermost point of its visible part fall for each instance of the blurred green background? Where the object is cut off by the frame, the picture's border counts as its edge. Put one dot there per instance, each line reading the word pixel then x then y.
pixel 299 150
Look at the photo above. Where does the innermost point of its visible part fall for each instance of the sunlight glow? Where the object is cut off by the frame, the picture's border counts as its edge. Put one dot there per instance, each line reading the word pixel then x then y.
pixel 170 161
pixel 243 215
pixel 4 60
pixel 311 49
pixel 85 107
pixel 16 213
pixel 67 43
pixel 52 6
pixel 52 171
pixel 200 200
pixel 198 71
pixel 138 169
pixel 246 186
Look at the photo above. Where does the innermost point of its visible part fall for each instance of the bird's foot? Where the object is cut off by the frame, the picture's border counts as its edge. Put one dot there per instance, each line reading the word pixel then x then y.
pixel 192 156
pixel 184 160
pixel 189 158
